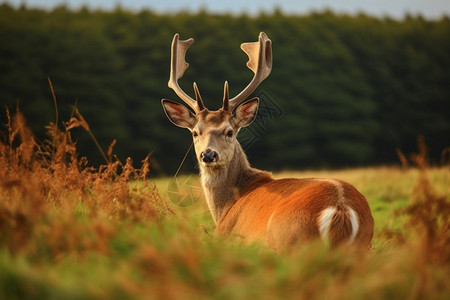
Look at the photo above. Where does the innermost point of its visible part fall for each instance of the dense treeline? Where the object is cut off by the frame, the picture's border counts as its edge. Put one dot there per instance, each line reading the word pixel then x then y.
pixel 344 90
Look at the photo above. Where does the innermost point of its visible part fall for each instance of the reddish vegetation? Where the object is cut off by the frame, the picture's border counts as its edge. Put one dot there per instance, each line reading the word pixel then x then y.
pixel 38 179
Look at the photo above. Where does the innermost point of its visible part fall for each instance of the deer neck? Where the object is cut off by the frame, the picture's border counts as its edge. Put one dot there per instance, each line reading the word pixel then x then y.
pixel 223 186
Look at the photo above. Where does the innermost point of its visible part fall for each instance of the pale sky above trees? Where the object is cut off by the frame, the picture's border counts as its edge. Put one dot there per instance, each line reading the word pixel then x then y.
pixel 392 8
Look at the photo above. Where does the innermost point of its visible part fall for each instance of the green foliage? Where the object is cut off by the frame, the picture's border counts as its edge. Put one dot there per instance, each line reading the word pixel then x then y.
pixel 177 258
pixel 352 88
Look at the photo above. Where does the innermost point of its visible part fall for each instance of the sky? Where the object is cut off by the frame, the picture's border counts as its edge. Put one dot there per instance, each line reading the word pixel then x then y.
pixel 430 9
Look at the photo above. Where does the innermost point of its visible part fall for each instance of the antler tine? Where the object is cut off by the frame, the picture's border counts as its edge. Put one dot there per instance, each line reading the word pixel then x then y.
pixel 198 97
pixel 178 66
pixel 226 97
pixel 260 62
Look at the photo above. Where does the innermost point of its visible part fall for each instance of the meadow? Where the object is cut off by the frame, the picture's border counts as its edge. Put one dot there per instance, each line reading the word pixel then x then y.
pixel 71 231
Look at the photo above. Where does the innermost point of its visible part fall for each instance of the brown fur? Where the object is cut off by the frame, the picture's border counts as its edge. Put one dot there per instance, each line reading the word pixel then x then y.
pixel 284 212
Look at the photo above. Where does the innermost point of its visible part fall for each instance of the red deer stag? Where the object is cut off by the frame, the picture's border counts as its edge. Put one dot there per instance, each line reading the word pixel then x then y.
pixel 246 201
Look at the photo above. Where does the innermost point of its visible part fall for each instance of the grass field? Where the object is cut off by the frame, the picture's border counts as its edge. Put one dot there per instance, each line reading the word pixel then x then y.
pixel 68 231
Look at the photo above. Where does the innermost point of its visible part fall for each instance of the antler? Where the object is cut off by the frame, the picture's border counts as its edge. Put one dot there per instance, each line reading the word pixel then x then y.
pixel 260 62
pixel 178 66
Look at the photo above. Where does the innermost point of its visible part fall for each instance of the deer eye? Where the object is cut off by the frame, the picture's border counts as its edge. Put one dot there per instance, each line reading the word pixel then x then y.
pixel 195 134
pixel 230 133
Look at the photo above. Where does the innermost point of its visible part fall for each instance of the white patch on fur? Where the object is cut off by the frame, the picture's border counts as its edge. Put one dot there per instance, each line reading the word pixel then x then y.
pixel 325 220
pixel 355 224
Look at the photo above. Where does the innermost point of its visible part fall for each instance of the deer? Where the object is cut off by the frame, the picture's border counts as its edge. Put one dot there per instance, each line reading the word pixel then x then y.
pixel 249 203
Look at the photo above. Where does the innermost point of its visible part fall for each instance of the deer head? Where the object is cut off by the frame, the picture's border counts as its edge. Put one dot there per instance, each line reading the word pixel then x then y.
pixel 214 132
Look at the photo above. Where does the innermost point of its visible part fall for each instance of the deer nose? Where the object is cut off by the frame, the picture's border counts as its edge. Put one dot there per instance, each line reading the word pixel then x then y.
pixel 208 156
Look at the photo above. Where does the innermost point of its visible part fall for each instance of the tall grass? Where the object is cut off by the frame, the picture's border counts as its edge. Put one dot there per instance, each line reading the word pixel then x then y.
pixel 71 231
pixel 47 194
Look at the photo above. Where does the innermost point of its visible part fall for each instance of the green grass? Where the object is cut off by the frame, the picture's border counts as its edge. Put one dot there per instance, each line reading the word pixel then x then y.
pixel 71 232
pixel 388 190
pixel 180 258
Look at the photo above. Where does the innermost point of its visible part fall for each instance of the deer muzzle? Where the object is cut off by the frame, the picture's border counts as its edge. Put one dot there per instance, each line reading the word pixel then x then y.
pixel 209 156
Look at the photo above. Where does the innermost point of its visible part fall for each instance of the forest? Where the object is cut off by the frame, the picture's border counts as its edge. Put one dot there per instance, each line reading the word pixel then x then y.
pixel 345 90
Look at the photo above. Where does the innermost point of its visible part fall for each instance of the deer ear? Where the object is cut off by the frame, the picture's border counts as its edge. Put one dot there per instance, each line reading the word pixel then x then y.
pixel 179 114
pixel 246 113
